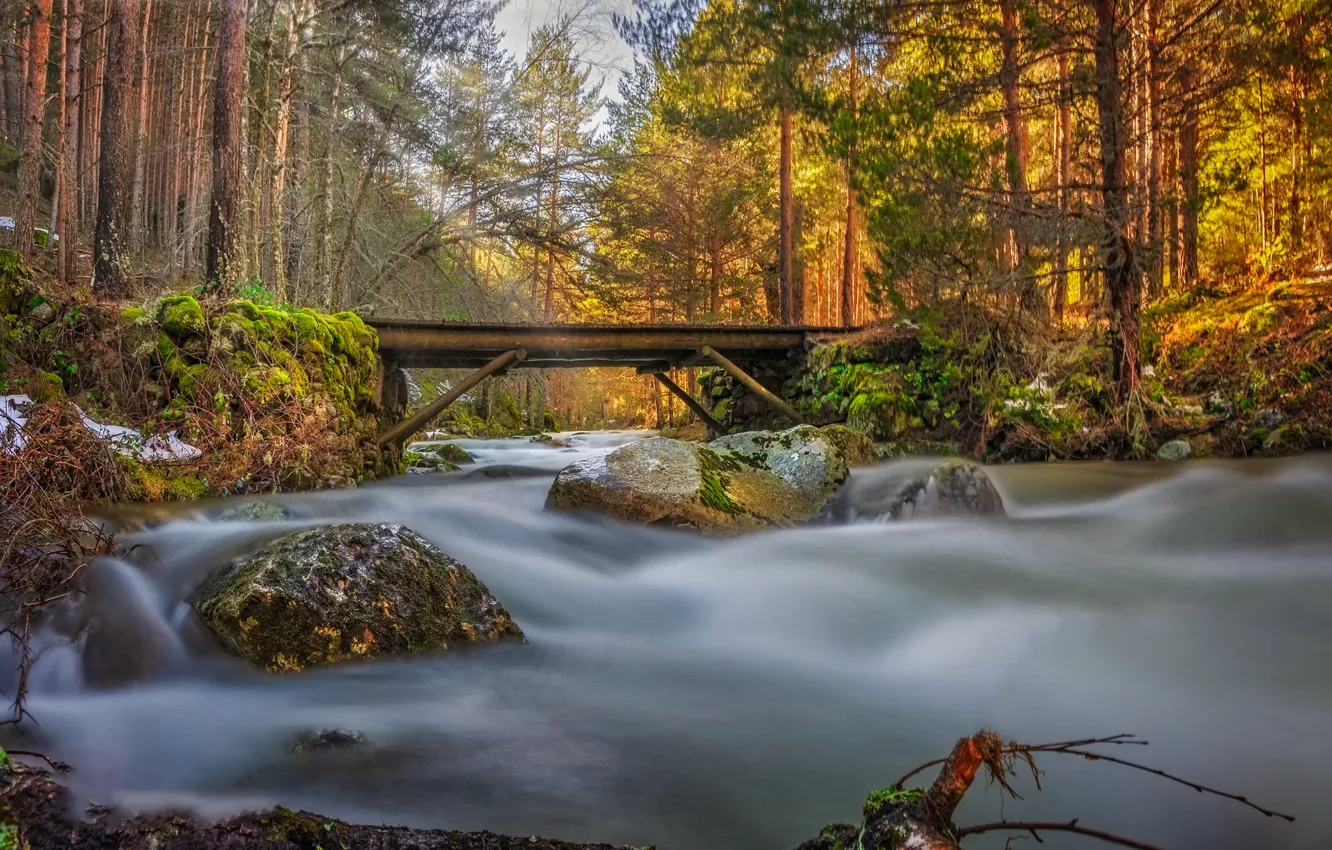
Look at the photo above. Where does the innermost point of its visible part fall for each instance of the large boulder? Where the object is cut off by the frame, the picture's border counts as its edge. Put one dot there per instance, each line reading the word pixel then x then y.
pixel 737 483
pixel 954 488
pixel 348 592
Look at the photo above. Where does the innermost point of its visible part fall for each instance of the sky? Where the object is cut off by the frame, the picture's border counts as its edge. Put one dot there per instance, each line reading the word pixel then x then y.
pixel 603 48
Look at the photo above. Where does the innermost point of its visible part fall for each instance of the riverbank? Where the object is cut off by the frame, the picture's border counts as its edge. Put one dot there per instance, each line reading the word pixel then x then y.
pixel 1237 373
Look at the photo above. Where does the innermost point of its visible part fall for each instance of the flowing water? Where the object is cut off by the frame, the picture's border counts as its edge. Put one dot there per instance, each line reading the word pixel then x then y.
pixel 740 693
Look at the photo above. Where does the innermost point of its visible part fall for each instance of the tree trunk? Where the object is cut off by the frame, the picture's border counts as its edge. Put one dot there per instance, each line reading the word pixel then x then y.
pixel 137 201
pixel 1188 183
pixel 1120 277
pixel 849 246
pixel 1296 225
pixel 548 309
pixel 57 200
pixel 785 253
pixel 34 101
pixel 1064 169
pixel 227 100
pixel 1015 128
pixel 110 260
pixel 69 211
pixel 1155 268
pixel 281 127
pixel 324 190
pixel 9 66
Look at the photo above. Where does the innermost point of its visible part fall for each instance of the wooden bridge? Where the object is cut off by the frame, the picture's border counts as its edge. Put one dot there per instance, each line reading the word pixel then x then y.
pixel 492 349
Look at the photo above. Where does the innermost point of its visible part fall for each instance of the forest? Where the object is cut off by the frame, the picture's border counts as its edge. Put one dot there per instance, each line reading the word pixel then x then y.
pixel 252 552
pixel 1074 167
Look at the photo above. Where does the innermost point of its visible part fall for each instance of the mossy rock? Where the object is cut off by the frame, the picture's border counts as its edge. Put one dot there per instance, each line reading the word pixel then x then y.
pixel 181 316
pixel 46 387
pixel 349 592
pixel 739 483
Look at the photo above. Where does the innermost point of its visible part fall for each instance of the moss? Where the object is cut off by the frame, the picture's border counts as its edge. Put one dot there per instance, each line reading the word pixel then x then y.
pixel 186 488
pixel 131 316
pixel 15 282
pixel 890 796
pixel 719 412
pixel 712 489
pixel 1262 319
pixel 181 315
pixel 9 158
pixel 45 387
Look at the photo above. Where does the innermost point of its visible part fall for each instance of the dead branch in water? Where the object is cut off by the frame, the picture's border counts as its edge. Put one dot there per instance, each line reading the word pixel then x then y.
pixel 1036 828
pixel 896 818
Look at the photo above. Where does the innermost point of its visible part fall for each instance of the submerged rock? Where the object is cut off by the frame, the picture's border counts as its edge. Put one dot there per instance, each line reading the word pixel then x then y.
pixel 737 483
pixel 955 488
pixel 254 512
pixel 1175 450
pixel 348 592
pixel 326 739
pixel 549 440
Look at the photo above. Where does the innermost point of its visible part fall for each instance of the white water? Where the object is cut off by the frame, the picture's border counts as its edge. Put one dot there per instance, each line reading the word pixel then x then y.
pixel 739 694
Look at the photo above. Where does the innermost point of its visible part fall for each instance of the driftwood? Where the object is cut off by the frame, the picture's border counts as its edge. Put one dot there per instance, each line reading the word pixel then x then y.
pixel 898 818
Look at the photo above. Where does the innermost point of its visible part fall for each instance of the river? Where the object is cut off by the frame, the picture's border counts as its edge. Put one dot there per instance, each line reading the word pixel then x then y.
pixel 737 694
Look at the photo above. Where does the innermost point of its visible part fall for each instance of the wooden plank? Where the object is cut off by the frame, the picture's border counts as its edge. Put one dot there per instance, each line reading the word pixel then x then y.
pixel 699 410
pixel 754 386
pixel 422 417
pixel 442 346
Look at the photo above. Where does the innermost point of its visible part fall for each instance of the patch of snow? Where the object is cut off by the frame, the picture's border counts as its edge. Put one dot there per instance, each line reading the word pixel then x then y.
pixel 126 441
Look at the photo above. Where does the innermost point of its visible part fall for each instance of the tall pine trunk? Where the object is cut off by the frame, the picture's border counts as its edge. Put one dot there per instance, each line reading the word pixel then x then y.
pixel 1188 185
pixel 69 191
pixel 1155 273
pixel 849 245
pixel 281 132
pixel 34 103
pixel 786 202
pixel 1120 278
pixel 1064 170
pixel 1017 145
pixel 137 200
pixel 228 95
pixel 110 252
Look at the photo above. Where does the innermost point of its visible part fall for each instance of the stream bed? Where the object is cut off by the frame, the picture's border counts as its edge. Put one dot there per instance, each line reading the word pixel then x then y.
pixel 704 694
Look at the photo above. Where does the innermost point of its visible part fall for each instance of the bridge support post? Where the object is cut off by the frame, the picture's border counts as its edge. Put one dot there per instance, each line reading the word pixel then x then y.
pixel 400 432
pixel 699 410
pixel 754 386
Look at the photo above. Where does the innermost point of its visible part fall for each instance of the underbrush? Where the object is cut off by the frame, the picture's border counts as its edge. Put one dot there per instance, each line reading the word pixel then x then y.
pixel 274 398
pixel 50 469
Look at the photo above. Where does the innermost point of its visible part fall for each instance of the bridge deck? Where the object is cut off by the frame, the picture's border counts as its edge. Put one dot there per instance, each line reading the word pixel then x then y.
pixel 417 344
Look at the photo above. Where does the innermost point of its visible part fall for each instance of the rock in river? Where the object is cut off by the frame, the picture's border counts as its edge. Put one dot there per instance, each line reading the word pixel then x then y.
pixel 738 483
pixel 954 488
pixel 348 592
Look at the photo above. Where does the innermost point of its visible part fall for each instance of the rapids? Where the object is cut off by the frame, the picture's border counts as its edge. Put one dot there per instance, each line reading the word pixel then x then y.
pixel 735 694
